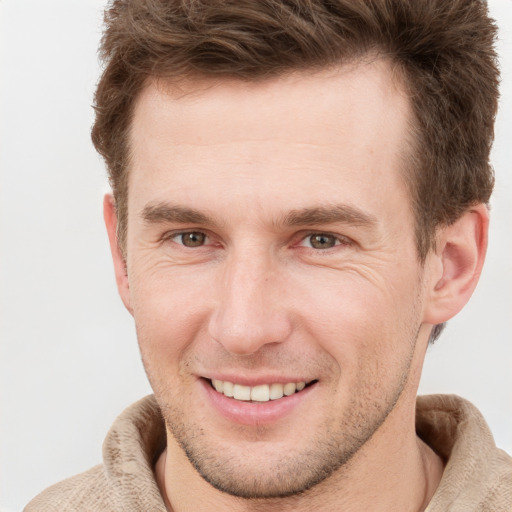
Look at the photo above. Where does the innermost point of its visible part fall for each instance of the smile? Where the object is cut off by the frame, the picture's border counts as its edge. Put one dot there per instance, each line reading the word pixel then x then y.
pixel 260 393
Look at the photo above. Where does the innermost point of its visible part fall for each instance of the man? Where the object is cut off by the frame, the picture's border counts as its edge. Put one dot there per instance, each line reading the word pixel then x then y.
pixel 299 204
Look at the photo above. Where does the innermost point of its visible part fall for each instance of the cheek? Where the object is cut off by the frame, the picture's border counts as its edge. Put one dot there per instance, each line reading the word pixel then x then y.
pixel 356 319
pixel 169 308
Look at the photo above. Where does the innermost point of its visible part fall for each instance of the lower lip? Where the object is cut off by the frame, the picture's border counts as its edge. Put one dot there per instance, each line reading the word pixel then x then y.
pixel 255 413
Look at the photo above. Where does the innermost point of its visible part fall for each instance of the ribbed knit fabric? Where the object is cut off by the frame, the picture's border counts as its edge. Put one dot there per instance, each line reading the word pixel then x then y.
pixel 477 476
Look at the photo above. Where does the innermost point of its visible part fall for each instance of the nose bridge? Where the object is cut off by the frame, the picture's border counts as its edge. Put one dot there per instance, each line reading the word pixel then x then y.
pixel 249 313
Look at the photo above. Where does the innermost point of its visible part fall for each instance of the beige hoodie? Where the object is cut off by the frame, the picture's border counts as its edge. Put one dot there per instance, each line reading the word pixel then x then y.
pixel 477 476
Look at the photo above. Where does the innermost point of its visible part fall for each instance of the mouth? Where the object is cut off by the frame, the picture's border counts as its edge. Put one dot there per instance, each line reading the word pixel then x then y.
pixel 259 393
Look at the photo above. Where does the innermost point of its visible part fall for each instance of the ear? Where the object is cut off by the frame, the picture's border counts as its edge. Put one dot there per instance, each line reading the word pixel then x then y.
pixel 457 264
pixel 109 214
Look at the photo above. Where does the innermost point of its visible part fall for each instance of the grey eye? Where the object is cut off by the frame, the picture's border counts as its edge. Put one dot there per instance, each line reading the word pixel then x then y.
pixel 191 239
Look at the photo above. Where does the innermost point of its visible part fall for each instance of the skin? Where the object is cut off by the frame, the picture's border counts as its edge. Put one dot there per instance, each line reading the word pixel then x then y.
pixel 264 167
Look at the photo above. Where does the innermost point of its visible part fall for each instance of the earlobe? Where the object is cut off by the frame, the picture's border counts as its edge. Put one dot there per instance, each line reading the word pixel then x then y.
pixel 458 261
pixel 109 214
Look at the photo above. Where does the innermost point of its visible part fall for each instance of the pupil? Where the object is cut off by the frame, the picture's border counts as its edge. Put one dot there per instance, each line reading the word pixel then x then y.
pixel 322 241
pixel 193 239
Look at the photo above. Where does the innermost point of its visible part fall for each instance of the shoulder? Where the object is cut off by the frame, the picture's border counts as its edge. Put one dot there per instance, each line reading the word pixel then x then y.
pixel 477 475
pixel 88 491
pixel 125 481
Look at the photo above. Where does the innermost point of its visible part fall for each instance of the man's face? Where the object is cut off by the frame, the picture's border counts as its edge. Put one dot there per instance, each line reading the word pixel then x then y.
pixel 270 243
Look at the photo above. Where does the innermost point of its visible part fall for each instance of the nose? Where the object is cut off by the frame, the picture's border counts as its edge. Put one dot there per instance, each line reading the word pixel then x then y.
pixel 251 307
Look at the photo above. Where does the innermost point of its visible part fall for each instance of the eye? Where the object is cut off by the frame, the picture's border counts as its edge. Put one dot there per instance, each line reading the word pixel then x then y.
pixel 322 241
pixel 190 238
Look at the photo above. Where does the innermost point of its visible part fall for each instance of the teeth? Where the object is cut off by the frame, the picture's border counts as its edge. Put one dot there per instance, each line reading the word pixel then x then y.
pixel 261 393
pixel 241 392
pixel 228 388
pixel 218 385
pixel 276 391
pixel 290 388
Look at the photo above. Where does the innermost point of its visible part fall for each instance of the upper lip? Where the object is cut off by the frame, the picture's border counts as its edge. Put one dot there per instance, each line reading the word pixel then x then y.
pixel 252 381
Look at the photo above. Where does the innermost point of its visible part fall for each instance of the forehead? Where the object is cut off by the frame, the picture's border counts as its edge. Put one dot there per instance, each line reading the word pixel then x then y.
pixel 343 127
pixel 369 89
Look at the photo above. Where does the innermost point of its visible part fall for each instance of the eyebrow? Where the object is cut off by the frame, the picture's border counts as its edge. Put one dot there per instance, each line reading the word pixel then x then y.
pixel 345 214
pixel 342 213
pixel 163 212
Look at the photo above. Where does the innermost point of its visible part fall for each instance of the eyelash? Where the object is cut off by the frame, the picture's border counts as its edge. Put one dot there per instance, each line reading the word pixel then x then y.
pixel 172 235
pixel 340 240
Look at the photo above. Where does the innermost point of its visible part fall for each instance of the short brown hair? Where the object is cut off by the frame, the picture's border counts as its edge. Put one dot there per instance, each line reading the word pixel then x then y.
pixel 443 48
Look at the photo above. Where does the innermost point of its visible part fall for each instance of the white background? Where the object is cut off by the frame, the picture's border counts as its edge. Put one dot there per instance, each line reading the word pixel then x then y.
pixel 69 361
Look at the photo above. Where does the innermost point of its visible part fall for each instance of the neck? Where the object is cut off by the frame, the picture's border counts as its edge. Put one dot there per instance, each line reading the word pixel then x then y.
pixel 394 471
